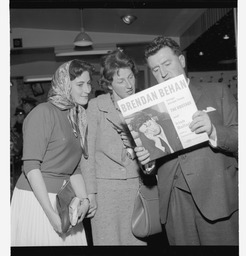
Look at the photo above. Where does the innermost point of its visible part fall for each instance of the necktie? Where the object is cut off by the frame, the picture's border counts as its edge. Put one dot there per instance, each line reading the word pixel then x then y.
pixel 164 144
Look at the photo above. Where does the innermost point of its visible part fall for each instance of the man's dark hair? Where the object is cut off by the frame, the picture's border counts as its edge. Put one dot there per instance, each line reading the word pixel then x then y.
pixel 138 120
pixel 160 42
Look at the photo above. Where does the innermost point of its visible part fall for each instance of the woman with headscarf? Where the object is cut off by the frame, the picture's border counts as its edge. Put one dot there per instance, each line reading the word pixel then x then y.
pixel 54 135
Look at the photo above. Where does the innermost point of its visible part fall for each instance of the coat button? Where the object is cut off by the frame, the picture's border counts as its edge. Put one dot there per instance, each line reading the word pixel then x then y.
pixel 176 177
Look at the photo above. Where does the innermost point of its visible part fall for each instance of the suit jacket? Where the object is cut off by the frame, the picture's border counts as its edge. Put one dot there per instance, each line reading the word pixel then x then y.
pixel 105 146
pixel 211 173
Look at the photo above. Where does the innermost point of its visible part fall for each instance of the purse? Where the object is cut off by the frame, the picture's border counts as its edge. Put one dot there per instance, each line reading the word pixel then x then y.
pixel 145 217
pixel 63 199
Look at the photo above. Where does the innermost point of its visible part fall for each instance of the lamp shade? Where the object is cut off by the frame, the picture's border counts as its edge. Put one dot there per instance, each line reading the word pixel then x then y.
pixel 82 39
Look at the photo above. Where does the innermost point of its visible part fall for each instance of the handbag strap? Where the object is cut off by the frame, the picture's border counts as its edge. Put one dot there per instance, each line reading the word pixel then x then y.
pixel 141 181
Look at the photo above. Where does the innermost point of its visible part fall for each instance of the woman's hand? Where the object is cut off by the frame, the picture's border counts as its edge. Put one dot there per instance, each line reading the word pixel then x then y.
pixel 83 209
pixel 78 184
pixel 142 155
pixel 93 206
pixel 55 221
pixel 126 139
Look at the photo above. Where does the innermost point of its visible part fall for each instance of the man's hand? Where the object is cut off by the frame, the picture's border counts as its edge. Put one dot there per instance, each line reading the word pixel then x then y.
pixel 93 206
pixel 201 123
pixel 142 155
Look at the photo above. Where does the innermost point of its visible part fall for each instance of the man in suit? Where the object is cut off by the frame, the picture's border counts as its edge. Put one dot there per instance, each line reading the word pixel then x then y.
pixel 198 186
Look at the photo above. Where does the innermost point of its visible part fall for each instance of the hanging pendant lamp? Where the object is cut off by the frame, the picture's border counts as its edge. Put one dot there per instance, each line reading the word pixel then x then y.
pixel 82 39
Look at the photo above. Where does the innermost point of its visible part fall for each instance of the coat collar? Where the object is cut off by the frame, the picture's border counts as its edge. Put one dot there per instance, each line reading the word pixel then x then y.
pixel 106 105
pixel 104 102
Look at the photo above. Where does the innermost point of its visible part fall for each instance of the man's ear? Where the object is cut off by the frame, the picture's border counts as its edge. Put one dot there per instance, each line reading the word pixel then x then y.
pixel 182 60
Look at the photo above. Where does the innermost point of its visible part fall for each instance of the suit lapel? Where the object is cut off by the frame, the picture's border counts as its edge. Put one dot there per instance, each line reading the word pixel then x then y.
pixel 196 90
pixel 106 105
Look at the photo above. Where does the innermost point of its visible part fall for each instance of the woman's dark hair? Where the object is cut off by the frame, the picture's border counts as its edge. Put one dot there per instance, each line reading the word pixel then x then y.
pixel 77 67
pixel 160 42
pixel 111 63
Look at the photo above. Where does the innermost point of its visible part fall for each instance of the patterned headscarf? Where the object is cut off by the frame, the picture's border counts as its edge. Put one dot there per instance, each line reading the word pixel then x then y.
pixel 60 96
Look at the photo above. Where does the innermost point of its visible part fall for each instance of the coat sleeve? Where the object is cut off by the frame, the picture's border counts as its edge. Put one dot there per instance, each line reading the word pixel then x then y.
pixel 227 133
pixel 88 165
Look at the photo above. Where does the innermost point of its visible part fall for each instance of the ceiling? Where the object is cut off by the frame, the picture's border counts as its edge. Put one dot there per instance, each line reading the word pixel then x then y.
pixel 119 3
pixel 149 21
pixel 172 21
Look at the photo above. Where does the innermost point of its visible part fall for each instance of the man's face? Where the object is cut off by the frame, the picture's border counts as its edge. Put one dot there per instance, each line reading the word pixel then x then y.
pixel 150 127
pixel 165 64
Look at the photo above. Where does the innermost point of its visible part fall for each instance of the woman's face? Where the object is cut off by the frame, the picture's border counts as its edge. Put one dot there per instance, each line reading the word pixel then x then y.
pixel 123 84
pixel 81 87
